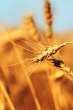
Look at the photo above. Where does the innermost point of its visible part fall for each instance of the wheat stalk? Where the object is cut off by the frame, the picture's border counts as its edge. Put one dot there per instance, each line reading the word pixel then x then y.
pixel 6 96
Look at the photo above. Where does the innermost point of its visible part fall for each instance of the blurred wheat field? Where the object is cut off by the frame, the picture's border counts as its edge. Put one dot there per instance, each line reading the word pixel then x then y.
pixel 25 85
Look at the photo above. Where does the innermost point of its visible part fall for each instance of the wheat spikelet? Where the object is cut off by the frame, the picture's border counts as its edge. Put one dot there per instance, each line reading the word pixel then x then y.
pixel 31 28
pixel 48 19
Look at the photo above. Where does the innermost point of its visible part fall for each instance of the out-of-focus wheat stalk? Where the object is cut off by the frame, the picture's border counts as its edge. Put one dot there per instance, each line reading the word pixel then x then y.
pixel 24 71
pixel 52 88
pixel 6 96
pixel 1 100
pixel 1 105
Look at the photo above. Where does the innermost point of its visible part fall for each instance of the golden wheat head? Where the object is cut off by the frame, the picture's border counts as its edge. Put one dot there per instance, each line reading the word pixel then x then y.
pixel 48 18
pixel 31 27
